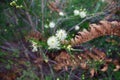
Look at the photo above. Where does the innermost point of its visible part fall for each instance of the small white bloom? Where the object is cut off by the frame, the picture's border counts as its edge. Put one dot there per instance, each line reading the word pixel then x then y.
pixel 51 24
pixel 34 47
pixel 76 12
pixel 103 0
pixel 61 14
pixel 82 14
pixel 53 43
pixel 77 27
pixel 61 34
pixel 69 47
pixel 72 6
pixel 46 26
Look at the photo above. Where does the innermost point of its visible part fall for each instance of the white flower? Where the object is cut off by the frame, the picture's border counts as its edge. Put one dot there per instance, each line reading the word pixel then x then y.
pixel 51 24
pixel 82 14
pixel 61 14
pixel 34 47
pixel 103 0
pixel 46 26
pixel 77 27
pixel 72 6
pixel 76 12
pixel 53 43
pixel 61 34
pixel 69 47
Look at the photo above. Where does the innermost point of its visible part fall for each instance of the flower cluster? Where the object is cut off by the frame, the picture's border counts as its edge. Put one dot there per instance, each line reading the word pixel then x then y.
pixel 14 4
pixel 54 41
pixel 81 13
pixel 50 25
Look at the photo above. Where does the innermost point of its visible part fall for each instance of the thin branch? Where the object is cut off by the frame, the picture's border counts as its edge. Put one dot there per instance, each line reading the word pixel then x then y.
pixel 30 19
pixel 6 48
pixel 87 18
pixel 42 11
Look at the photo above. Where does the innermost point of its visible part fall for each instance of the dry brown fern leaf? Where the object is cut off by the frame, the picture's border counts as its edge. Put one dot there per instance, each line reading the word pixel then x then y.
pixel 52 6
pixel 57 5
pixel 34 35
pixel 96 30
pixel 85 61
pixel 113 8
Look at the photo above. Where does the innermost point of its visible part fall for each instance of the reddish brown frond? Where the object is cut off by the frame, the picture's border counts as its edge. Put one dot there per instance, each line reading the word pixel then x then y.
pixel 97 30
pixel 85 60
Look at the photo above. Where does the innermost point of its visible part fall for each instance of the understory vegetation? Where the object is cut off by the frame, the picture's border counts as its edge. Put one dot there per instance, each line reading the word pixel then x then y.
pixel 59 39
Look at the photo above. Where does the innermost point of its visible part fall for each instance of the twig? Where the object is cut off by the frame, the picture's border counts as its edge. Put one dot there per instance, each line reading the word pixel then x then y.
pixel 6 48
pixel 42 10
pixel 87 18
pixel 29 19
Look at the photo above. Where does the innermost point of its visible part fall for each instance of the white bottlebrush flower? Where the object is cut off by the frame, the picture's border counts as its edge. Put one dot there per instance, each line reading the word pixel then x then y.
pixel 82 14
pixel 51 24
pixel 53 43
pixel 61 14
pixel 76 12
pixel 61 34
pixel 77 27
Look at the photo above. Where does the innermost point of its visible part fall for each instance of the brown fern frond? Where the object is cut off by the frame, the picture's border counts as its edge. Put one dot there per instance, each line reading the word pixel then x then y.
pixel 117 63
pixel 86 61
pixel 34 35
pixel 96 30
pixel 57 5
pixel 92 72
pixel 105 68
pixel 113 8
pixel 52 6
